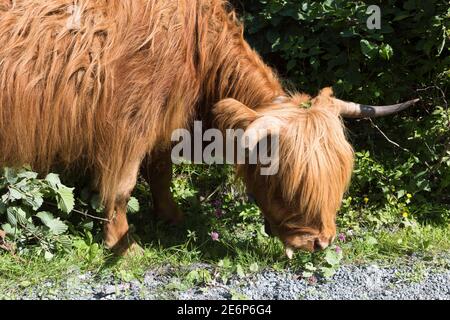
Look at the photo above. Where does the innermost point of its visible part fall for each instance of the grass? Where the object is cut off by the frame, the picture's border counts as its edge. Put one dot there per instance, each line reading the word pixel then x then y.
pixel 18 274
pixel 242 248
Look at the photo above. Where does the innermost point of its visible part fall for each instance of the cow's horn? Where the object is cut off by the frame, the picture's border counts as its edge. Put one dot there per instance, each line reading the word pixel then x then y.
pixel 356 110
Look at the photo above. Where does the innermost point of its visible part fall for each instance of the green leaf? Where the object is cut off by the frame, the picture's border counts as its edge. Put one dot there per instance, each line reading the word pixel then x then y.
pixel 66 242
pixel 2 208
pixel 402 16
pixel 327 272
pixel 386 52
pixel 133 205
pixel 10 230
pixel 55 226
pixel 16 216
pixel 225 263
pixel 88 225
pixel 240 271
pixel 442 45
pixel 14 194
pixel 401 193
pixel 10 175
pixel 310 267
pixel 45 217
pixel 332 258
pixel 368 49
pixel 34 199
pixel 48 255
pixel 53 180
pixel 65 199
pixel 236 296
pixel 273 37
pixel 291 65
pixel 126 275
pixel 254 267
pixel 371 240
pixel 27 175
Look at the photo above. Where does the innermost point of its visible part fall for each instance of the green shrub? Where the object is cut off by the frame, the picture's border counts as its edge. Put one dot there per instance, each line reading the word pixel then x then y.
pixel 25 205
pixel 321 43
pixel 39 213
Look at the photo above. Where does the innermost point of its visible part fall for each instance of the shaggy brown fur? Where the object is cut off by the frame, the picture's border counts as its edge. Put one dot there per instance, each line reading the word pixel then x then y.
pixel 102 83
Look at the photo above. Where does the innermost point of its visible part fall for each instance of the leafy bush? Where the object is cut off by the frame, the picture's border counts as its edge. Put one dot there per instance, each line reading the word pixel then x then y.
pixel 25 205
pixel 411 177
pixel 321 43
pixel 38 213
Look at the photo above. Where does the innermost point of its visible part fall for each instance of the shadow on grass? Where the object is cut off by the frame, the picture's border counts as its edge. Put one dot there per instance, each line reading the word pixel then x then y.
pixel 154 232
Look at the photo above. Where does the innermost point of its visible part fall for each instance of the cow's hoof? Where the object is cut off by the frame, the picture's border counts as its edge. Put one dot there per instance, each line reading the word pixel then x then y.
pixel 126 246
pixel 135 250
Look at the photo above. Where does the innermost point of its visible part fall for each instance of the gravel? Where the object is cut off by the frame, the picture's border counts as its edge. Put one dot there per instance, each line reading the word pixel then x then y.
pixel 415 281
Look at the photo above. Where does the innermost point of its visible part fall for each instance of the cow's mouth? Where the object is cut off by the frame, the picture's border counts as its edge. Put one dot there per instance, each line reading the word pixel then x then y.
pixel 309 243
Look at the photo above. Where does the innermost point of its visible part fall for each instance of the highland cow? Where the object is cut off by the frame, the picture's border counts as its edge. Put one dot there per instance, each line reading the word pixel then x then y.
pixel 100 85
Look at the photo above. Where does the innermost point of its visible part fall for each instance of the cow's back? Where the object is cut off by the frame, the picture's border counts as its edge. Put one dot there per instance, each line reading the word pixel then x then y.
pixel 74 76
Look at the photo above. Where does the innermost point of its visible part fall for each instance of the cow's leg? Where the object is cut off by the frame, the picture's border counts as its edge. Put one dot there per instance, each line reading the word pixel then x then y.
pixel 116 233
pixel 157 170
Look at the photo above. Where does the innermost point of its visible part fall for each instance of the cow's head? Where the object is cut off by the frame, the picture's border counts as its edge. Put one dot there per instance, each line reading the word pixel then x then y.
pixel 300 201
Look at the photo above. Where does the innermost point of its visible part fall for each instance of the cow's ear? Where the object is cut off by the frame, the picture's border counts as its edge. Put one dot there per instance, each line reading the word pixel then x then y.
pixel 261 128
pixel 232 114
pixel 325 99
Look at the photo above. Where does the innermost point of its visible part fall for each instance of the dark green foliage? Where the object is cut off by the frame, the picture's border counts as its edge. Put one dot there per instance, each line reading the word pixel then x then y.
pixel 322 43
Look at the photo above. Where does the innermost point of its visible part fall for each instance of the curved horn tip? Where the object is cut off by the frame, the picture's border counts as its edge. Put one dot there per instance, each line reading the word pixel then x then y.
pixel 410 102
pixel 355 110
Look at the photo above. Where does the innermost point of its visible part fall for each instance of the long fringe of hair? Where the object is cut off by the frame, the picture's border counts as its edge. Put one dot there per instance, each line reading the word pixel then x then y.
pixel 316 160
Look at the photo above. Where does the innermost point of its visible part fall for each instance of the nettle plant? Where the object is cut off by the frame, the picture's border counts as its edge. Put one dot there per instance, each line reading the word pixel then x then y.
pixel 36 214
pixel 25 205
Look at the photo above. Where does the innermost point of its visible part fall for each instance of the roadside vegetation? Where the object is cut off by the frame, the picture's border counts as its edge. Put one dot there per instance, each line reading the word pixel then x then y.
pixel 398 204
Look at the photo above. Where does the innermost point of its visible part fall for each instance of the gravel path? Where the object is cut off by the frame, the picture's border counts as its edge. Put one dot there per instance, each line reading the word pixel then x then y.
pixel 412 281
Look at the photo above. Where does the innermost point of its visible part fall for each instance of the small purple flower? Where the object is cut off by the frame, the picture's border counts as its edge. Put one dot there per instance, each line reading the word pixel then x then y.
pixel 338 249
pixel 216 203
pixel 214 236
pixel 341 237
pixel 219 213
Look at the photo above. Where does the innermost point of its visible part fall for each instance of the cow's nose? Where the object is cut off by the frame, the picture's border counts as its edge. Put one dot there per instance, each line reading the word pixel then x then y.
pixel 320 244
